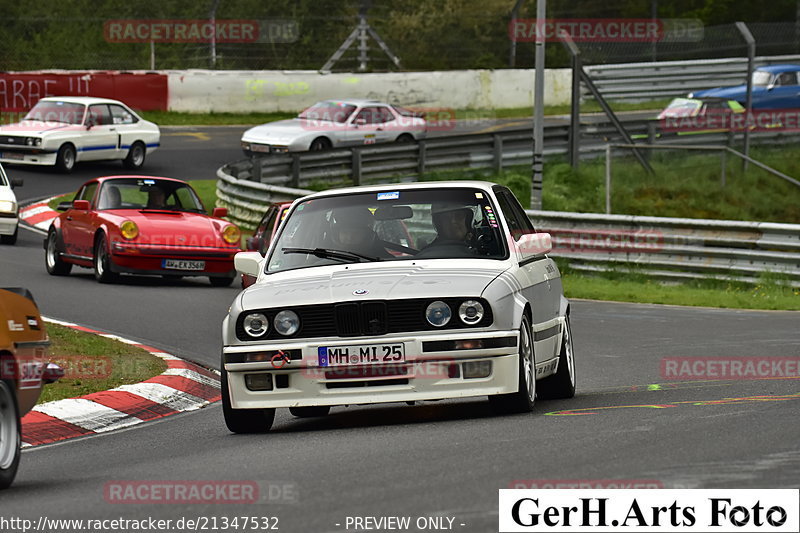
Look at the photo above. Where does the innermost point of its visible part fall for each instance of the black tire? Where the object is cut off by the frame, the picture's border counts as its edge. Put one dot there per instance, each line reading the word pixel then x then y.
pixel 310 412
pixel 102 261
pixel 243 420
pixel 220 282
pixel 522 400
pixel 405 138
pixel 320 143
pixel 136 156
pixel 52 261
pixel 10 434
pixel 65 159
pixel 10 239
pixel 562 384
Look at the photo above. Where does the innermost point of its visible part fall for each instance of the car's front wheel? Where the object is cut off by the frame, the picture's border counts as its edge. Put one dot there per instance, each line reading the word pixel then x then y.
pixel 310 412
pixel 320 143
pixel 65 158
pixel 102 261
pixel 52 260
pixel 522 400
pixel 136 155
pixel 10 444
pixel 243 420
pixel 562 384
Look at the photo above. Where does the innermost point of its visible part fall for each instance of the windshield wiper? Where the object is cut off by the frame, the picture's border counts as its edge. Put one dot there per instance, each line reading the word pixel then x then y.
pixel 326 253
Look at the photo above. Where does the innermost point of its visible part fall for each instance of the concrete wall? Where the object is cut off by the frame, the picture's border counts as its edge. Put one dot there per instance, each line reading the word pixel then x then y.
pixel 264 91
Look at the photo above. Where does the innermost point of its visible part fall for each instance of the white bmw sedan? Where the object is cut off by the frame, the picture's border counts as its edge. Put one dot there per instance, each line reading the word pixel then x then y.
pixel 336 124
pixel 397 293
pixel 62 131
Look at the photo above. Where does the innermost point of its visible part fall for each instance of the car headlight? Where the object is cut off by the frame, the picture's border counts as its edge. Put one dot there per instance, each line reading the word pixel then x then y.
pixel 470 312
pixel 129 229
pixel 256 324
pixel 286 322
pixel 438 313
pixel 231 234
pixel 33 141
pixel 7 206
pixel 245 145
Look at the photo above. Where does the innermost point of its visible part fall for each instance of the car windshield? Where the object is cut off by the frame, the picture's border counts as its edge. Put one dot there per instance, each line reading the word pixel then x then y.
pixel 393 225
pixel 329 112
pixel 681 107
pixel 761 78
pixel 146 193
pixel 50 111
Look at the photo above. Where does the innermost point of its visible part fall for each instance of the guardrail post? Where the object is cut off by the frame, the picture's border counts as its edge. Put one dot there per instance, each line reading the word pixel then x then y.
pixel 498 153
pixel 255 169
pixel 723 164
pixel 608 179
pixel 295 181
pixel 356 166
pixel 421 155
pixel 651 138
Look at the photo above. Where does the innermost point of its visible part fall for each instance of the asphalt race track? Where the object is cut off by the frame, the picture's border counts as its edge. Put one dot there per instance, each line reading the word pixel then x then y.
pixel 628 424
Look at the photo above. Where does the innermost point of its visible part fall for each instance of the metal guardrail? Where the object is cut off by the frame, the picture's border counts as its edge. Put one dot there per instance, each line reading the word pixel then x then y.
pixel 665 79
pixel 495 151
pixel 668 248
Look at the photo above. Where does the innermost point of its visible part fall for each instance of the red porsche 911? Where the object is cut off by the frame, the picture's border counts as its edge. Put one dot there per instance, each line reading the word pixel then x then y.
pixel 141 225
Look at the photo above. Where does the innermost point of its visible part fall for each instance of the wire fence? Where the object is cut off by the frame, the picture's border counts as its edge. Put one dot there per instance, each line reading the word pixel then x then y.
pixel 305 34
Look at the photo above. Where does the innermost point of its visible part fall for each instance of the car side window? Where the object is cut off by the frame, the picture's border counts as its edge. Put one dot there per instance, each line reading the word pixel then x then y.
pixel 120 115
pixel 518 222
pixel 87 193
pixel 265 229
pixel 385 115
pixel 369 115
pixel 100 115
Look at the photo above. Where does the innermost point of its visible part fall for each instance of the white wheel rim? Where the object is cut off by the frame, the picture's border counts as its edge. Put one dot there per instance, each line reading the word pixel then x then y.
pixel 100 258
pixel 138 155
pixel 69 158
pixel 51 251
pixel 9 429
pixel 528 366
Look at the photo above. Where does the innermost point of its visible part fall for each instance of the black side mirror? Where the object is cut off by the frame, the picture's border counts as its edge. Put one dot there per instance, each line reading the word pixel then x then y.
pixel 16 182
pixel 64 206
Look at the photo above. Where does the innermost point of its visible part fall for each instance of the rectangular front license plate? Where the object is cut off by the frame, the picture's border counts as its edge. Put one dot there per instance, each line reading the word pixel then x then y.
pixel 11 155
pixel 180 264
pixel 363 354
pixel 259 147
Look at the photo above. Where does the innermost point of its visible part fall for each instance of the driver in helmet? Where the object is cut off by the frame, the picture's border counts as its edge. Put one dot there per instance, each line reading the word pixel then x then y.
pixel 352 231
pixel 453 223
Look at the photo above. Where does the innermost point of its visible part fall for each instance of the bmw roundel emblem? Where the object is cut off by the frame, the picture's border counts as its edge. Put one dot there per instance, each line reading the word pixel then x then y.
pixel 360 292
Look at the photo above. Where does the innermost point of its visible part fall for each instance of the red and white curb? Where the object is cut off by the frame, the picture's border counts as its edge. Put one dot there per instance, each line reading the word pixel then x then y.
pixel 184 386
pixel 38 215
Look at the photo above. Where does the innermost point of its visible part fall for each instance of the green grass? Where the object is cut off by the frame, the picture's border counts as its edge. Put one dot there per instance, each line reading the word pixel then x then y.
pixel 768 293
pixel 93 363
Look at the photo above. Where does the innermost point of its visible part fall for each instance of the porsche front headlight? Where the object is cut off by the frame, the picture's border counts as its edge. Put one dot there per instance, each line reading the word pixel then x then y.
pixel 129 229
pixel 231 234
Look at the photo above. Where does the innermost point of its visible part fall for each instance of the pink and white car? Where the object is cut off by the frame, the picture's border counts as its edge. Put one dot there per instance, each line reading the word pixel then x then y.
pixel 61 131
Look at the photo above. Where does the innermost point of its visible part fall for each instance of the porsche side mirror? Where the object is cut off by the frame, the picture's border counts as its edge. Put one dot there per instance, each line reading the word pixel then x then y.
pixel 219 212
pixel 247 263
pixel 80 205
pixel 63 206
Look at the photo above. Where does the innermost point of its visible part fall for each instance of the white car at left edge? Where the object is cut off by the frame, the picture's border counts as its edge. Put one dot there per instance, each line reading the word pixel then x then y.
pixel 62 131
pixel 9 208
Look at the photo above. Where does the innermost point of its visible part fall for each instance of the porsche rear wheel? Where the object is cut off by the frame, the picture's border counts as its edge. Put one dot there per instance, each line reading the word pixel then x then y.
pixel 102 261
pixel 522 400
pixel 52 261
pixel 65 159
pixel 10 429
pixel 562 383
pixel 135 157
pixel 310 412
pixel 243 420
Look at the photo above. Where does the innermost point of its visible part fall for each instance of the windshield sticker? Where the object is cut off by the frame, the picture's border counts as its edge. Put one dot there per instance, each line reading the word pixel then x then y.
pixel 389 195
pixel 149 182
pixel 478 195
pixel 490 216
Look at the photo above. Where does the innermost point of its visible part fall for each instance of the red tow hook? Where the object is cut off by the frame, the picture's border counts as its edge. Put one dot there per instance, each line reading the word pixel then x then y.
pixel 280 359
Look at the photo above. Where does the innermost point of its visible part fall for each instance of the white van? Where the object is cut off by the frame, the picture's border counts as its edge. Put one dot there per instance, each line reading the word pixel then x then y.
pixel 9 209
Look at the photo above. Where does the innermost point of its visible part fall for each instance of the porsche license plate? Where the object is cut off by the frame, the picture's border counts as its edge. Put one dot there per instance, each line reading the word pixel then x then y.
pixel 361 354
pixel 181 264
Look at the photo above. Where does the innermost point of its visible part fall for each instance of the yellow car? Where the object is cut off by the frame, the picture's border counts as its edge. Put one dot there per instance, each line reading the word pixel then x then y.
pixel 23 371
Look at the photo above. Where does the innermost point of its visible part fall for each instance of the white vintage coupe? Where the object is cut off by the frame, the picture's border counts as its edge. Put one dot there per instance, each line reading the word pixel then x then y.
pixel 397 293
pixel 61 131
pixel 336 124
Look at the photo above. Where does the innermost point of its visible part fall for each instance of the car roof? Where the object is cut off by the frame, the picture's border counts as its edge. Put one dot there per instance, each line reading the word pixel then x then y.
pixel 485 186
pixel 354 101
pixel 112 178
pixel 83 100
pixel 773 69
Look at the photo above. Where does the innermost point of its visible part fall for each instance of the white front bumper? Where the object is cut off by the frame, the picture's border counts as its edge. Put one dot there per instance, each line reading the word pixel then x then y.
pixel 31 159
pixel 8 225
pixel 427 376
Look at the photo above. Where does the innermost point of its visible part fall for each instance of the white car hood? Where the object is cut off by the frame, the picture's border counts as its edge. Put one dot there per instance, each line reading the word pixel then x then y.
pixel 34 126
pixel 287 130
pixel 340 283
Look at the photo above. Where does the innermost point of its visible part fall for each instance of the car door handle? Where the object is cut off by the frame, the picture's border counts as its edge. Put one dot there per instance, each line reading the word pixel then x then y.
pixel 69 218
